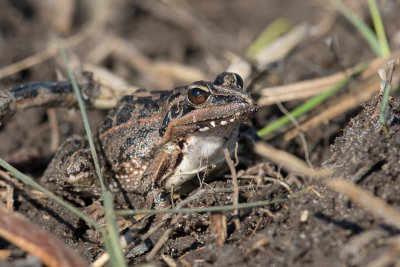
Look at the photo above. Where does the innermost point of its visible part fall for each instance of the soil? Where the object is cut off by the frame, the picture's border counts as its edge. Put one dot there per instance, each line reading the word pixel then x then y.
pixel 335 232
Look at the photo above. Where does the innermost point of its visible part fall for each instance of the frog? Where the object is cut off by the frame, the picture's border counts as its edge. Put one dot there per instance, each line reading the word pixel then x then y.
pixel 158 140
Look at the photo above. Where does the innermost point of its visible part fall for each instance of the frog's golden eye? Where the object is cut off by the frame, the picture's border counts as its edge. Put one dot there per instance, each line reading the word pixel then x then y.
pixel 197 95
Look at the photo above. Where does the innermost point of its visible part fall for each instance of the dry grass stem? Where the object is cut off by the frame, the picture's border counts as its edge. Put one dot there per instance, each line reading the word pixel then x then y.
pixel 298 127
pixel 257 225
pixel 10 198
pixel 240 66
pixel 181 13
pixel 31 238
pixel 340 105
pixel 10 190
pixel 390 257
pixel 59 14
pixel 231 165
pixel 160 74
pixel 366 200
pixel 168 260
pixel 53 49
pixel 289 162
pixel 111 86
pixel 218 227
pixel 368 84
pixel 179 72
pixel 40 57
pixel 55 131
pixel 94 26
pixel 163 238
pixel 102 260
pixel 282 46
pixel 308 88
pixel 300 90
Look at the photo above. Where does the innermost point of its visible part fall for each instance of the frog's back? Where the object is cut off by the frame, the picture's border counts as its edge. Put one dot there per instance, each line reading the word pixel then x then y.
pixel 130 133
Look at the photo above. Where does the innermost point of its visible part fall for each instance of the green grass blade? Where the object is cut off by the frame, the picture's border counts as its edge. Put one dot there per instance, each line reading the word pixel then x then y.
pixel 111 240
pixel 384 103
pixel 85 119
pixel 271 33
pixel 25 179
pixel 307 106
pixel 216 208
pixel 118 258
pixel 360 25
pixel 379 28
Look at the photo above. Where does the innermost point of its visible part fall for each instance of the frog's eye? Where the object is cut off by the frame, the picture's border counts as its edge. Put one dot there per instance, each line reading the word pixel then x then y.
pixel 239 80
pixel 198 95
pixel 229 79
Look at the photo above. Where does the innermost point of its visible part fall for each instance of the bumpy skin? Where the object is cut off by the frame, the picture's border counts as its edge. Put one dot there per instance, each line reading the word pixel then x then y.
pixel 161 139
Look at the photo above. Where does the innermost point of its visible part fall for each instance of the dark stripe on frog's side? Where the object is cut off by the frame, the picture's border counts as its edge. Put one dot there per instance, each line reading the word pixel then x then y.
pixel 173 113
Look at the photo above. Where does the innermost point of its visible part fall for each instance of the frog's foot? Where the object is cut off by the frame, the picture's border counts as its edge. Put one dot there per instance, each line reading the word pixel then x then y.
pixel 72 168
pixel 156 199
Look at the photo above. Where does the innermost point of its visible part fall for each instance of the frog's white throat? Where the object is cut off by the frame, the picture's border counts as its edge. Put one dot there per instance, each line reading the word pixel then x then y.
pixel 202 151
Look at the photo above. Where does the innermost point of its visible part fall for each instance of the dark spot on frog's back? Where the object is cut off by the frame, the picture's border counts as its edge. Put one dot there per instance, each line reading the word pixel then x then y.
pixel 164 125
pixel 173 96
pixel 107 125
pixel 125 114
pixel 130 141
pixel 142 132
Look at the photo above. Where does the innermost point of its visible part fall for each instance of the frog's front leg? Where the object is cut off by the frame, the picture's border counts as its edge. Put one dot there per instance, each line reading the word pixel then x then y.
pixel 164 163
pixel 72 167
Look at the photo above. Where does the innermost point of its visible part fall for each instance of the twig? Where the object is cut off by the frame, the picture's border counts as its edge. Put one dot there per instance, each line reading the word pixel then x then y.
pixel 125 241
pixel 40 57
pixel 390 257
pixel 168 260
pixel 255 228
pixel 288 161
pixel 224 207
pixel 199 194
pixel 55 131
pixel 301 134
pixel 10 190
pixel 231 165
pixel 163 238
pixel 341 105
pixel 97 22
pixel 302 89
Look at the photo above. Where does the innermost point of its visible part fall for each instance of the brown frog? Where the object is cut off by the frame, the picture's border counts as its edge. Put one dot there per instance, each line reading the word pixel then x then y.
pixel 161 140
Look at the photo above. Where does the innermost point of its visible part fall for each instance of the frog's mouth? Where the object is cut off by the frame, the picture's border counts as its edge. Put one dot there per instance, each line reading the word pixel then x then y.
pixel 223 122
pixel 218 117
pixel 210 118
pixel 241 116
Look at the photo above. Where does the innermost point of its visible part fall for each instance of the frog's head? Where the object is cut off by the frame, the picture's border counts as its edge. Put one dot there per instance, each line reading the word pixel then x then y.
pixel 207 106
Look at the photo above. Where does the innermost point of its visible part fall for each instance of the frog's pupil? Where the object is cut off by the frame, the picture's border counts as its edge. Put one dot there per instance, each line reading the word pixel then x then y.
pixel 196 91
